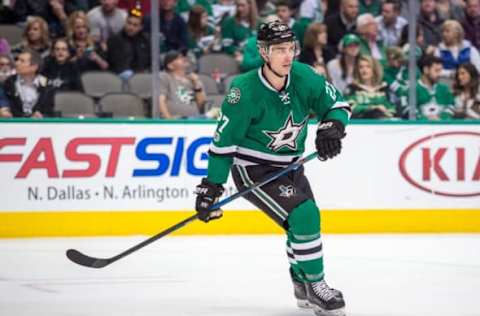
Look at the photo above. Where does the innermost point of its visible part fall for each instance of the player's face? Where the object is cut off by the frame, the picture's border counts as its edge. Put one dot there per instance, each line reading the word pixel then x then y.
pixel 281 57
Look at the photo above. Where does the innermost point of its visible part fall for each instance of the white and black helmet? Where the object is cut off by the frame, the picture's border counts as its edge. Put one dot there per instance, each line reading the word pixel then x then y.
pixel 275 32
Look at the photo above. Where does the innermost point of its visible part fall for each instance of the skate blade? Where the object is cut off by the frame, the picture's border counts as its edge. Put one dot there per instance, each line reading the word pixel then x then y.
pixel 337 312
pixel 304 304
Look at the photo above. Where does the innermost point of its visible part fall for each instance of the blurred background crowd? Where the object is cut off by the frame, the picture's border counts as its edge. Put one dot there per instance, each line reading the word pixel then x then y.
pixel 93 57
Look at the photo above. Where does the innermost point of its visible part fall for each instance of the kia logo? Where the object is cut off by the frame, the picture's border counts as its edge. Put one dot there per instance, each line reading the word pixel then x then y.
pixel 446 164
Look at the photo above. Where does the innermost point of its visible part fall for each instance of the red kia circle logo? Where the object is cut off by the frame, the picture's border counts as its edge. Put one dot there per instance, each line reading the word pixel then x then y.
pixel 446 164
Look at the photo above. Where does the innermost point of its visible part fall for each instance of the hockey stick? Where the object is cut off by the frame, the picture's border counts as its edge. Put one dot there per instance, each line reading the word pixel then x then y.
pixel 92 262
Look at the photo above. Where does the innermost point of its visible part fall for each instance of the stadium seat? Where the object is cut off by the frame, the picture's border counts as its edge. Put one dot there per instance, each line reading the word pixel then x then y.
pixel 226 64
pixel 141 85
pixel 209 84
pixel 74 104
pixel 12 33
pixel 99 83
pixel 122 105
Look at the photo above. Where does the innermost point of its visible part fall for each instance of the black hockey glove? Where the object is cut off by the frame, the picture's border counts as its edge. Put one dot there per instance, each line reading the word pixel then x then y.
pixel 328 141
pixel 207 195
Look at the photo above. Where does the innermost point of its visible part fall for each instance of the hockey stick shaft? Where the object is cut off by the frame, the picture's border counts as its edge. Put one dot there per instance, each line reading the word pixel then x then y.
pixel 82 259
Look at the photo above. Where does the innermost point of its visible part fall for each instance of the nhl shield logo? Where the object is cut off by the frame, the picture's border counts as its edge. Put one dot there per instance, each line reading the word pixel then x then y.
pixel 287 191
pixel 233 96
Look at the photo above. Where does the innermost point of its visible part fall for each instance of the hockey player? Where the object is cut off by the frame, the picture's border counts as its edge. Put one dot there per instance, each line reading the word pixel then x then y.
pixel 263 128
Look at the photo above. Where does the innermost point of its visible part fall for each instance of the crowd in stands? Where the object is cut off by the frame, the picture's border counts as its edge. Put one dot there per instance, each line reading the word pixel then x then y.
pixel 361 46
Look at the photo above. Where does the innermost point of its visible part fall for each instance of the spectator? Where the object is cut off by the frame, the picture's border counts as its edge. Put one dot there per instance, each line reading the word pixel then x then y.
pixel 434 99
pixel 62 74
pixel 454 50
pixel 471 24
pixel 390 23
pixel 341 68
pixel 54 12
pixel 370 44
pixel 202 38
pixel 129 50
pixel 28 93
pixel 106 20
pixel 181 95
pixel 223 9
pixel 466 89
pixel 448 10
pixel 142 5
pixel 172 27
pixel 6 70
pixel 430 22
pixel 236 29
pixel 184 7
pixel 315 51
pixel 284 14
pixel 312 10
pixel 368 93
pixel 370 6
pixel 421 48
pixel 342 23
pixel 87 54
pixel 35 37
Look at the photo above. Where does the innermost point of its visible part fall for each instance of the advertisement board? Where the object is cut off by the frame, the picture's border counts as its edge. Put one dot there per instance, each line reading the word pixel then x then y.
pixel 125 167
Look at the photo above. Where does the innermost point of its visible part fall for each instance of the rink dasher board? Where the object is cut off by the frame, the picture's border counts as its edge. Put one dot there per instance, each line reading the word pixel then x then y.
pixel 87 178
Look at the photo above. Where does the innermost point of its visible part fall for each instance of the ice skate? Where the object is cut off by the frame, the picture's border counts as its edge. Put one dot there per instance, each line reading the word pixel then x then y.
pixel 300 292
pixel 325 300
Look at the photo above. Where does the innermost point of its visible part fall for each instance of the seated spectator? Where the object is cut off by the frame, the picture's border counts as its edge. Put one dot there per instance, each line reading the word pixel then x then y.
pixel 6 70
pixel 129 50
pixel 62 74
pixel 434 99
pixel 342 23
pixel 421 48
pixel 453 50
pixel 106 20
pixel 315 50
pixel 284 13
pixel 223 9
pixel 449 10
pixel 312 10
pixel 202 38
pixel 86 53
pixel 368 93
pixel 466 89
pixel 237 29
pixel 341 68
pixel 172 27
pixel 54 12
pixel 184 7
pixel 35 37
pixel 390 23
pixel 181 95
pixel 430 22
pixel 471 23
pixel 28 93
pixel 370 44
pixel 370 6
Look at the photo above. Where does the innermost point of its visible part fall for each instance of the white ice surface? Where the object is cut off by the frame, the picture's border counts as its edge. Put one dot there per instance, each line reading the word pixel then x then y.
pixel 380 275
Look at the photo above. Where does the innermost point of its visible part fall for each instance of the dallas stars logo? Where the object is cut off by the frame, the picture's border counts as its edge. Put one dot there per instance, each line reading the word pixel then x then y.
pixel 284 97
pixel 287 135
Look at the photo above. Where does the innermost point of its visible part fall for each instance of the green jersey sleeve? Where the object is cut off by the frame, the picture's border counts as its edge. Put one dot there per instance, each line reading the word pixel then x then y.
pixel 231 129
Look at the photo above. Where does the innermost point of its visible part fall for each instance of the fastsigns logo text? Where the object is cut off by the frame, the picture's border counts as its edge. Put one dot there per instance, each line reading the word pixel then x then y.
pixel 43 157
pixel 446 164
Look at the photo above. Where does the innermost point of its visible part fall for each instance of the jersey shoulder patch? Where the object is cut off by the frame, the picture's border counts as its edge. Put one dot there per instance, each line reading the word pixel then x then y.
pixel 233 96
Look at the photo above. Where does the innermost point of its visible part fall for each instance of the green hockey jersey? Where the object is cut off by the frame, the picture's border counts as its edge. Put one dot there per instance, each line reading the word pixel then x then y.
pixel 261 125
pixel 434 103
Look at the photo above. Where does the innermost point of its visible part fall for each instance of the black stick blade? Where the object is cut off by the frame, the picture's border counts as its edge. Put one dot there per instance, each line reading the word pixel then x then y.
pixel 86 261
